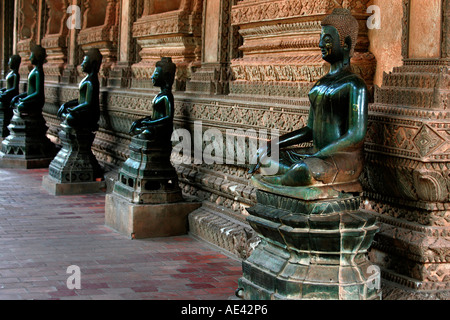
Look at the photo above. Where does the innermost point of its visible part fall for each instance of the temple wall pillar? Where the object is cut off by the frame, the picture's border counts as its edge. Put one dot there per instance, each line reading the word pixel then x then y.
pixel 100 30
pixel 55 40
pixel 213 77
pixel 27 33
pixel 170 29
pixel 407 154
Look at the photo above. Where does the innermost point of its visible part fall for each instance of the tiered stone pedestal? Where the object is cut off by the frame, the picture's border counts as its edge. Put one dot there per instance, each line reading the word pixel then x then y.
pixel 75 169
pixel 5 119
pixel 27 146
pixel 314 249
pixel 146 201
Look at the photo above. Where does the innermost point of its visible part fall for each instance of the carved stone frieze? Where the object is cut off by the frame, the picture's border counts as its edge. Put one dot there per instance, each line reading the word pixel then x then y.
pixel 280 44
pixel 175 33
pixel 406 178
pixel 100 30
pixel 55 39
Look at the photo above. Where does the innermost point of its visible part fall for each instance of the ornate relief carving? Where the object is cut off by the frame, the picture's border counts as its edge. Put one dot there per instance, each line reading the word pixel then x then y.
pixel 407 169
pixel 55 39
pixel 290 32
pixel 163 32
pixel 100 30
pixel 27 33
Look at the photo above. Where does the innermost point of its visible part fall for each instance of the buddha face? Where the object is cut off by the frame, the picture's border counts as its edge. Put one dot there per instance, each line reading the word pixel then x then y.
pixel 157 77
pixel 86 65
pixel 330 45
pixel 14 63
pixel 33 59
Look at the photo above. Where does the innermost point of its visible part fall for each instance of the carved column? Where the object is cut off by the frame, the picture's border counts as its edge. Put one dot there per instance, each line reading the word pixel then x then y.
pixel 6 35
pixel 407 153
pixel 27 33
pixel 172 29
pixel 281 56
pixel 74 14
pixel 55 39
pixel 121 74
pixel 100 30
pixel 213 76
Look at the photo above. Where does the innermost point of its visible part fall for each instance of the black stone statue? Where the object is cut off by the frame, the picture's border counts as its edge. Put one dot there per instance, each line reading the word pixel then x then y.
pixel 27 144
pixel 148 176
pixel 314 236
pixel 336 126
pixel 160 123
pixel 9 92
pixel 32 101
pixel 76 163
pixel 85 111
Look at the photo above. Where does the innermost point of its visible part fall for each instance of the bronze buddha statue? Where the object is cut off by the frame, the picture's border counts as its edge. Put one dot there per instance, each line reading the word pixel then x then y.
pixel 12 81
pixel 160 124
pixel 84 112
pixel 337 122
pixel 33 100
pixel 11 90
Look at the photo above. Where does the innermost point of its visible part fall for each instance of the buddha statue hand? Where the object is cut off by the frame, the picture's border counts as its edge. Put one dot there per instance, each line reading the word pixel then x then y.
pixel 65 108
pixel 258 158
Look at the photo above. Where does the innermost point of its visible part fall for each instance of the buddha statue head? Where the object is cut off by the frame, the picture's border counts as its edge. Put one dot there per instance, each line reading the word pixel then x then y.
pixel 339 35
pixel 164 74
pixel 92 61
pixel 38 55
pixel 14 62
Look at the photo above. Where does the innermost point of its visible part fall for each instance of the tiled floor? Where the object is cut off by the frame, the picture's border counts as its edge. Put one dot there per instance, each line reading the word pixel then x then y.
pixel 42 235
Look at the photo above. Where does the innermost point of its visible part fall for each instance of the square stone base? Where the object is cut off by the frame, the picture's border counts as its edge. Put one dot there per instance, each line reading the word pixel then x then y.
pixel 12 163
pixel 56 188
pixel 139 221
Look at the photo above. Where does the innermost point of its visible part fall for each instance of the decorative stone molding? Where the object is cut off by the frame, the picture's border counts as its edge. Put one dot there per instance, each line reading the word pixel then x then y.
pixel 281 41
pixel 27 33
pixel 55 39
pixel 174 33
pixel 100 30
pixel 406 179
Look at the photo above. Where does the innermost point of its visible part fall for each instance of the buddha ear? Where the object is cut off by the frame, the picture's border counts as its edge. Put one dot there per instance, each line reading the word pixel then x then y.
pixel 347 48
pixel 348 43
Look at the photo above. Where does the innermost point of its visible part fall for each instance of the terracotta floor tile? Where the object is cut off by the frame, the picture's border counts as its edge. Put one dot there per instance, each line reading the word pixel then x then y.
pixel 42 235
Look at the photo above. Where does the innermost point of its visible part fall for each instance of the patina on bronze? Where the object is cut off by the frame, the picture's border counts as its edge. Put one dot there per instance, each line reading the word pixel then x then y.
pixel 148 176
pixel 84 112
pixel 314 236
pixel 27 145
pixel 32 101
pixel 337 126
pixel 75 162
pixel 9 92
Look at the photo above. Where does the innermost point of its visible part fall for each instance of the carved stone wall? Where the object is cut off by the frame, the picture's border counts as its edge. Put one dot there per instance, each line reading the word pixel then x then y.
pixel 252 70
pixel 280 49
pixel 407 152
pixel 100 30
pixel 27 33
pixel 55 39
pixel 168 30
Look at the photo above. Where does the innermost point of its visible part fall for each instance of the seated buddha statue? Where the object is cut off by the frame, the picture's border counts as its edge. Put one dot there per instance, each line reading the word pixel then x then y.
pixel 160 124
pixel 84 112
pixel 12 81
pixel 337 122
pixel 10 91
pixel 33 100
